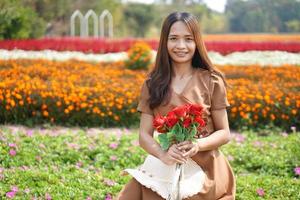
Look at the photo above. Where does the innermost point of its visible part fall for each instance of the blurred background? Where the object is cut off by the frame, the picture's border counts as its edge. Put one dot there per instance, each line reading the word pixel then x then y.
pixel 40 18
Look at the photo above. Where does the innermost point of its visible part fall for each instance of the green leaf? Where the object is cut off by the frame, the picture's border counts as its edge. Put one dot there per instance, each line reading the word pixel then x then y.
pixel 180 136
pixel 164 141
pixel 193 131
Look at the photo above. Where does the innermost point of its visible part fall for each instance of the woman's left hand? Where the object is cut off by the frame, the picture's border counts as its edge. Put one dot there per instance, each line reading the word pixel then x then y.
pixel 189 148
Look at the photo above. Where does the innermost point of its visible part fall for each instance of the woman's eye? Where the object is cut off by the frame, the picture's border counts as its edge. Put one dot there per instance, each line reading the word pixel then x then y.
pixel 190 39
pixel 172 38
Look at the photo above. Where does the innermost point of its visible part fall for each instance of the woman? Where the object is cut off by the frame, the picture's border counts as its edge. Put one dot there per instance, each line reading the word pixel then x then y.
pixel 184 74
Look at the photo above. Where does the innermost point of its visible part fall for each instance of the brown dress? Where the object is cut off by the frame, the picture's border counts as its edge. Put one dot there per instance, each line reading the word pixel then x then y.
pixel 207 89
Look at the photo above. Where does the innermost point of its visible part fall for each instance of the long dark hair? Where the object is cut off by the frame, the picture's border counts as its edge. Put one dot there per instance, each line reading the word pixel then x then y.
pixel 159 78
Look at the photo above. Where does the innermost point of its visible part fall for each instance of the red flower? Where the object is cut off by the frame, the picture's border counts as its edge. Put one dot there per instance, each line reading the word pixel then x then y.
pixel 159 123
pixel 200 121
pixel 171 119
pixel 180 111
pixel 187 122
pixel 195 109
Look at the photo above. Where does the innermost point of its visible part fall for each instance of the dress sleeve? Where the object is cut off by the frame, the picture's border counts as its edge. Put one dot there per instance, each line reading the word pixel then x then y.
pixel 218 93
pixel 143 105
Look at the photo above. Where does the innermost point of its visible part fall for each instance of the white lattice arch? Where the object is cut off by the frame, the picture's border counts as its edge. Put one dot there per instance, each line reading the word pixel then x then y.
pixel 76 14
pixel 92 14
pixel 106 14
pixel 84 23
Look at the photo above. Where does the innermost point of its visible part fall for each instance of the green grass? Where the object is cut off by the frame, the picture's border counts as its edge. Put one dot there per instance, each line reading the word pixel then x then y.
pixel 79 163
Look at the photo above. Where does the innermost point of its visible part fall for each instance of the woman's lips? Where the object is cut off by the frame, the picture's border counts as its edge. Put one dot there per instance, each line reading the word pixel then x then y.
pixel 180 54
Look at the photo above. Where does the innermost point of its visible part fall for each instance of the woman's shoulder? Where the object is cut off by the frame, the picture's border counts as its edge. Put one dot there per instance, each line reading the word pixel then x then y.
pixel 208 75
pixel 203 75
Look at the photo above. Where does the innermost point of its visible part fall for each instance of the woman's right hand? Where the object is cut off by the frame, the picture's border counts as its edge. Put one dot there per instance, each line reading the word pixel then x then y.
pixel 173 155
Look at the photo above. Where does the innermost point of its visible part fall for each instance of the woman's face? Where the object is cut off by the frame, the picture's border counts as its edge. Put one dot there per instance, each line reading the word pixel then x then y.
pixel 181 45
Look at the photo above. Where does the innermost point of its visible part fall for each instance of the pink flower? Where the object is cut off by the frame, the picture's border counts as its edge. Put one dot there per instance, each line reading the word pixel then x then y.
pixel 297 171
pixel 257 144
pixel 27 190
pixel 108 197
pixel 38 158
pixel 10 194
pixel 109 182
pixel 284 134
pixel 42 146
pixel 79 164
pixel 114 145
pixel 135 143
pixel 1 170
pixel 29 133
pixel 14 189
pixel 230 158
pixel 73 146
pixel 91 147
pixel 260 192
pixel 113 158
pixel 47 196
pixel 239 138
pixel 88 198
pixel 13 145
pixel 24 168
pixel 1 177
pixel 12 152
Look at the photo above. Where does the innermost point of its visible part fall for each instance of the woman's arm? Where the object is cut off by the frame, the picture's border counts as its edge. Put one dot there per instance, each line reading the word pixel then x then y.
pixel 151 146
pixel 218 138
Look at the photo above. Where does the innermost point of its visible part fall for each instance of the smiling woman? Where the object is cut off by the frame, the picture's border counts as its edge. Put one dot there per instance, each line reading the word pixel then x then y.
pixel 183 74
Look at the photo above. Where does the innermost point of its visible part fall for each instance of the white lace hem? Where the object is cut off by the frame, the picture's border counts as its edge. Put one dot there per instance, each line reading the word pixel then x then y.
pixel 157 176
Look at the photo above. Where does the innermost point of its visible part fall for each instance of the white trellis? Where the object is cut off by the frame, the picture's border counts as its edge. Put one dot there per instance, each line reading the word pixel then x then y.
pixel 77 13
pixel 89 14
pixel 84 23
pixel 107 14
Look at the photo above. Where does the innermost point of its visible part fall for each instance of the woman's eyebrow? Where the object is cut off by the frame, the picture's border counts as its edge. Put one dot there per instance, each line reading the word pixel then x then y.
pixel 188 35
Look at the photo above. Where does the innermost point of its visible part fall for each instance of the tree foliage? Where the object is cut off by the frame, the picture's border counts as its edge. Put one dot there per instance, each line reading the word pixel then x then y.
pixel 17 21
pixel 36 18
pixel 263 15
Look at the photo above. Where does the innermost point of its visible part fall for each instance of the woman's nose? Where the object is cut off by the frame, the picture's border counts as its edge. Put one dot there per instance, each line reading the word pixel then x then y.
pixel 180 44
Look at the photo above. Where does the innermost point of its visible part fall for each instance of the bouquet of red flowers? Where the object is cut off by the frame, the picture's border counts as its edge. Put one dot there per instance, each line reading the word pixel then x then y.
pixel 180 124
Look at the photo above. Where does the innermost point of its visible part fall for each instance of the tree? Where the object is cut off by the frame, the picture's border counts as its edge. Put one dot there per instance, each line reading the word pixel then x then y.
pixel 139 18
pixel 18 22
pixel 263 15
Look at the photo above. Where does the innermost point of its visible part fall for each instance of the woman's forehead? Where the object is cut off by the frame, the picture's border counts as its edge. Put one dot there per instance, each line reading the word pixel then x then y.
pixel 180 28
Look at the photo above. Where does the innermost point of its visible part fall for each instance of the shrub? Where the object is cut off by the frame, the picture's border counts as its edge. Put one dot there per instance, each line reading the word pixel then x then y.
pixel 139 56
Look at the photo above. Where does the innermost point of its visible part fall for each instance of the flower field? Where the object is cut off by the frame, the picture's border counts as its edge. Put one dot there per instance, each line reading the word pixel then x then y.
pixel 222 44
pixel 61 163
pixel 93 94
pixel 76 96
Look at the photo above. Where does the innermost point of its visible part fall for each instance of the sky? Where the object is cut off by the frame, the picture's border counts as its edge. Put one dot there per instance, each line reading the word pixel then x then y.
pixel 217 5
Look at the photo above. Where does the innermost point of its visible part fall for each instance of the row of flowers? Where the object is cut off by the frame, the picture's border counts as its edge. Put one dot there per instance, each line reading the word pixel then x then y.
pixel 253 37
pixel 90 45
pixel 263 58
pixel 75 92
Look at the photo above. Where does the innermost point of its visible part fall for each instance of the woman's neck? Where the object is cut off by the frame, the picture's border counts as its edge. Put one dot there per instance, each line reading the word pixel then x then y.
pixel 182 70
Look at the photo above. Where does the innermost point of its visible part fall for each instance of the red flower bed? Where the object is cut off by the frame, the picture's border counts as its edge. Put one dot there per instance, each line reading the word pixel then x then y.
pixel 92 45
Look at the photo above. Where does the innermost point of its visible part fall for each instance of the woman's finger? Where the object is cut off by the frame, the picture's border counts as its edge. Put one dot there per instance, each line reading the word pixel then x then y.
pixel 177 156
pixel 189 153
pixel 186 147
pixel 183 143
pixel 176 150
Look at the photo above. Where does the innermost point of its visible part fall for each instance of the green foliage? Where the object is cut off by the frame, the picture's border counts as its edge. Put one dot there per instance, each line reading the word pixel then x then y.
pixel 263 16
pixel 77 163
pixel 139 17
pixel 18 22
